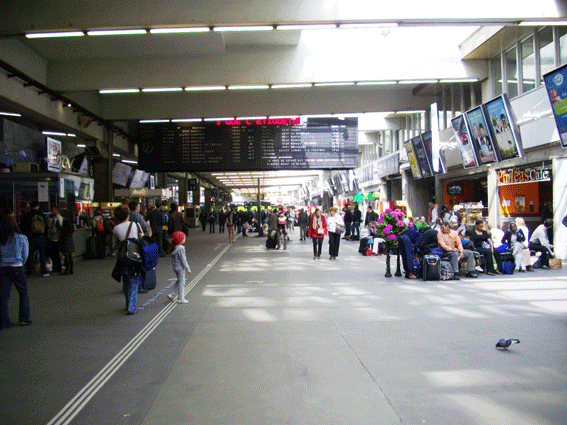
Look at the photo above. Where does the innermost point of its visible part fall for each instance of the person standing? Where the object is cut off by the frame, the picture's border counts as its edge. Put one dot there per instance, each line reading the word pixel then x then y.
pixel 33 226
pixel 303 223
pixel 176 220
pixel 136 217
pixel 540 242
pixel 369 218
pixel 429 211
pixel 99 232
pixel 348 221
pixel 334 224
pixel 222 220
pixel 317 232
pixel 212 218
pixel 356 220
pixel 282 230
pixel 230 225
pixel 14 250
pixel 180 266
pixel 156 219
pixel 67 246
pixel 54 224
pixel 450 242
pixel 203 219
pixel 434 214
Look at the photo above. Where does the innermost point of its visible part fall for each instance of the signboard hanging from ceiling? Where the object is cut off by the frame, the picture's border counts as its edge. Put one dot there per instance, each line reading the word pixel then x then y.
pixel 263 144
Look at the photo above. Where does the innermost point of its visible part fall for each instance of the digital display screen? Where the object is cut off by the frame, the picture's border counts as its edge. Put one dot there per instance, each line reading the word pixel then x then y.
pixel 309 143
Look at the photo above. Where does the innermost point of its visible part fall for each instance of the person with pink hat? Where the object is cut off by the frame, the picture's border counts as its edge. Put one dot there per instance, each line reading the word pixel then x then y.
pixel 180 265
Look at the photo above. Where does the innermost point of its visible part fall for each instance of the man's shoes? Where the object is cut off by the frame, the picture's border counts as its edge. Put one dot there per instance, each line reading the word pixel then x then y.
pixel 471 274
pixel 46 275
pixel 26 323
pixel 479 269
pixel 182 302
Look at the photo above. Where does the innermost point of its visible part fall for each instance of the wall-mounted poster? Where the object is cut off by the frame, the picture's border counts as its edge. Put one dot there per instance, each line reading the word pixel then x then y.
pixel 462 133
pixel 503 128
pixel 121 173
pixel 556 86
pixel 427 139
pixel 481 137
pixel 422 158
pixel 53 152
pixel 412 160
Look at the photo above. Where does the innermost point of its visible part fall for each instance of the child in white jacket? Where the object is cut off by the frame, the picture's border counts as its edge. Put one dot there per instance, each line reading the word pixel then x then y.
pixel 180 265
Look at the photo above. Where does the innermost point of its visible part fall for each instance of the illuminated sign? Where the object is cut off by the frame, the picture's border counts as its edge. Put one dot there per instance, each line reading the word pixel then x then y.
pixel 517 176
pixel 264 121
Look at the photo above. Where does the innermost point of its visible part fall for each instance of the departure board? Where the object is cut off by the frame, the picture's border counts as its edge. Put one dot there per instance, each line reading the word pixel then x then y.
pixel 263 144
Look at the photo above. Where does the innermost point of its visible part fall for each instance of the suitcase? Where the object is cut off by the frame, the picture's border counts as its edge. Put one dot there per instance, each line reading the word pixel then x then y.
pixel 90 251
pixel 271 242
pixel 363 246
pixel 431 267
pixel 150 280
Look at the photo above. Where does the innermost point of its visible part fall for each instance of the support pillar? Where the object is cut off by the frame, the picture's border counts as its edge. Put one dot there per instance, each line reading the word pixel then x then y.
pixel 183 190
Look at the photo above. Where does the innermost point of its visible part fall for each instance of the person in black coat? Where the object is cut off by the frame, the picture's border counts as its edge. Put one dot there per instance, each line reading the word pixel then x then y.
pixel 348 222
pixel 67 246
pixel 356 220
pixel 157 221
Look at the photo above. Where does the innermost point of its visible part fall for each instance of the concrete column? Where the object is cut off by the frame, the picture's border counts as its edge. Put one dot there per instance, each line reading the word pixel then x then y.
pixel 208 203
pixel 559 168
pixel 161 181
pixel 493 197
pixel 196 194
pixel 103 171
pixel 183 190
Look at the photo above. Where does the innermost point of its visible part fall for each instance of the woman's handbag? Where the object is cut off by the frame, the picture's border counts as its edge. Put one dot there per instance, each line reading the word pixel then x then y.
pixel 555 263
pixel 320 231
pixel 339 228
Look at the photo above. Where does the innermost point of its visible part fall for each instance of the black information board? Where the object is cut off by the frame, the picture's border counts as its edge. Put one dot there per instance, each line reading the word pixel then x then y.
pixel 312 143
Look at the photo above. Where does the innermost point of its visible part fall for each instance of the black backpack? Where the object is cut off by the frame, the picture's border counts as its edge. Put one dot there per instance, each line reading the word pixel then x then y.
pixel 130 253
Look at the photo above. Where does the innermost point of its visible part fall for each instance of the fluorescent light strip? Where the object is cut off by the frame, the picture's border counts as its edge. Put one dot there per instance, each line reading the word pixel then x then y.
pixel 258 87
pixel 250 118
pixel 187 120
pixel 116 32
pixel 218 119
pixel 307 27
pixel 418 111
pixel 205 88
pixel 152 121
pixel 375 83
pixel 71 135
pixel 129 161
pixel 244 28
pixel 162 89
pixel 56 34
pixel 291 86
pixel 113 91
pixel 81 146
pixel 116 154
pixel 417 81
pixel 542 23
pixel 459 80
pixel 53 133
pixel 179 30
pixel 369 25
pixel 349 83
pixel 10 114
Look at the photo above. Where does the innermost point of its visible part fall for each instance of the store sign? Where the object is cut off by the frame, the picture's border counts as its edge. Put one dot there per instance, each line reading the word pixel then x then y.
pixel 528 175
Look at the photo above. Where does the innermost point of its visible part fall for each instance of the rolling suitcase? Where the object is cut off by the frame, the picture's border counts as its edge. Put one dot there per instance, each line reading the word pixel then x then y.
pixel 272 242
pixel 431 267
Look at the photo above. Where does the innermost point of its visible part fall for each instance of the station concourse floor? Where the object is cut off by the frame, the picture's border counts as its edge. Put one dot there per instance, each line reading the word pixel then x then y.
pixel 275 337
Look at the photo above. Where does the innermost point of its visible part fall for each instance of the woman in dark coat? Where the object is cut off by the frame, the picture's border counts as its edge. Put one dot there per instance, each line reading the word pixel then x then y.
pixel 67 245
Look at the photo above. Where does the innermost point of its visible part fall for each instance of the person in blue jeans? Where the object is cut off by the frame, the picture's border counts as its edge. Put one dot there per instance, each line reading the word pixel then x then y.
pixel 14 251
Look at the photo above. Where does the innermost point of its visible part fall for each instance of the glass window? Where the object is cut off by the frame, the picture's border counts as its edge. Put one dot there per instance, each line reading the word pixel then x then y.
pixel 496 76
pixel 528 64
pixel 562 44
pixel 546 51
pixel 511 73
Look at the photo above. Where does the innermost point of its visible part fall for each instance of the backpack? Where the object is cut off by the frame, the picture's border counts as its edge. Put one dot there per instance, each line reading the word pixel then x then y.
pixel 100 225
pixel 37 224
pixel 130 253
pixel 447 272
pixel 54 231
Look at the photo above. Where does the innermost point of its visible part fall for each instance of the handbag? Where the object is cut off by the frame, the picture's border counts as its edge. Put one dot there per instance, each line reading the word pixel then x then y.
pixel 339 228
pixel 555 263
pixel 320 231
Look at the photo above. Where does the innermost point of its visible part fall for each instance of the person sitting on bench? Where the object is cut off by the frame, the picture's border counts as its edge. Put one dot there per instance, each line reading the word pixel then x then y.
pixel 450 243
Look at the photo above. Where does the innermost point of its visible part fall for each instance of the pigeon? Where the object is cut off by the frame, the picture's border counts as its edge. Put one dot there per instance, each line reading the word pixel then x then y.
pixel 503 344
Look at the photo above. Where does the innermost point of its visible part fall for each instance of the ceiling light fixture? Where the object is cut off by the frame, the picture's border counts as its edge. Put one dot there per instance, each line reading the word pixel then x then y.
pixel 291 86
pixel 251 87
pixel 113 91
pixel 244 28
pixel 162 89
pixel 179 30
pixel 10 114
pixel 345 83
pixel 187 120
pixel 369 25
pixel 81 145
pixel 542 23
pixel 459 80
pixel 307 27
pixel 53 133
pixel 205 88
pixel 152 121
pixel 417 81
pixel 56 34
pixel 376 83
pixel 71 135
pixel 116 154
pixel 117 32
pixel 417 111
pixel 218 119
pixel 129 161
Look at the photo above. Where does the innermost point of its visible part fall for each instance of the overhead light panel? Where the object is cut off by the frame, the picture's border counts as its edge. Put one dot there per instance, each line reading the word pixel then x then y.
pixel 250 87
pixel 179 30
pixel 162 89
pixel 459 80
pixel 129 161
pixel 244 28
pixel 116 32
pixel 417 81
pixel 81 146
pixel 291 86
pixel 71 135
pixel 116 154
pixel 542 23
pixel 205 88
pixel 307 27
pixel 369 25
pixel 113 91
pixel 187 120
pixel 56 34
pixel 10 114
pixel 152 121
pixel 218 119
pixel 345 83
pixel 53 133
pixel 375 83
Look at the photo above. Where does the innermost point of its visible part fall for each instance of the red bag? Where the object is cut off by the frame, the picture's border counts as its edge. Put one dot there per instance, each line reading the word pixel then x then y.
pixel 368 252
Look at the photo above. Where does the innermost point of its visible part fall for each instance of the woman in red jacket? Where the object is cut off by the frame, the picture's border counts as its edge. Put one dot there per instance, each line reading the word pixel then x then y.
pixel 317 231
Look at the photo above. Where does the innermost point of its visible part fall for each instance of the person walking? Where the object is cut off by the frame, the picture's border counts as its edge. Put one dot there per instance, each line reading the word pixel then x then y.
pixel 180 266
pixel 303 223
pixel 136 217
pixel 131 280
pixel 356 220
pixel 176 220
pixel 99 232
pixel 317 232
pixel 335 226
pixel 67 246
pixel 222 220
pixel 54 224
pixel 230 225
pixel 156 219
pixel 348 221
pixel 33 226
pixel 14 250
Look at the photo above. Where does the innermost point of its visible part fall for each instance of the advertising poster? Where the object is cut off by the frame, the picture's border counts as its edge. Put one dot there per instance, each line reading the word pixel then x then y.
pixel 121 173
pixel 503 129
pixel 427 139
pixel 464 141
pixel 481 137
pixel 412 160
pixel 421 155
pixel 53 152
pixel 556 86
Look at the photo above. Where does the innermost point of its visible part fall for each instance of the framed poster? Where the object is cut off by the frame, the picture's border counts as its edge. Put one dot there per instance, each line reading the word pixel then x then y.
pixel 462 133
pixel 423 161
pixel 481 137
pixel 503 128
pixel 556 86
pixel 53 152
pixel 412 160
pixel 427 139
